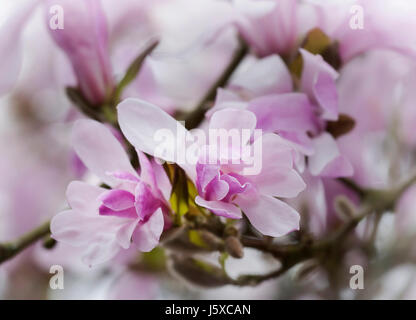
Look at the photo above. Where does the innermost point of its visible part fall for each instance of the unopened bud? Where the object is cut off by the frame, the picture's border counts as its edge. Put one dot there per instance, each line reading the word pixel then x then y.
pixel 231 230
pixel 212 240
pixel 205 239
pixel 234 247
pixel 198 273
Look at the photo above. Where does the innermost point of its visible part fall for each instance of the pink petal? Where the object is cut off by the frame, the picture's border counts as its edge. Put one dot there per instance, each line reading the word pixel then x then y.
pixel 284 112
pixel 75 228
pixel 141 122
pixel 288 112
pixel 276 154
pixel 129 213
pixel 124 176
pixel 117 203
pixel 263 76
pixel 270 216
pixel 147 234
pixel 325 92
pixel 257 8
pixel 234 186
pixel 163 182
pixel 274 32
pixel 62 227
pixel 217 189
pixel 117 199
pixel 220 208
pixel 327 160
pixel 233 119
pixel 145 202
pixel 125 233
pixel 226 99
pixel 312 66
pixel 281 182
pixel 100 151
pixel 300 141
pixel 340 167
pixel 318 82
pixel 100 237
pixel 155 176
pixel 84 197
pixel 205 174
pixel 84 39
pixel 146 170
pixel 101 251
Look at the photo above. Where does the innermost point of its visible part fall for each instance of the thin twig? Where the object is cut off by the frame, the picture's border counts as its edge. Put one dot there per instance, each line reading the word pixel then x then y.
pixel 194 118
pixel 353 186
pixel 376 201
pixel 254 280
pixel 10 249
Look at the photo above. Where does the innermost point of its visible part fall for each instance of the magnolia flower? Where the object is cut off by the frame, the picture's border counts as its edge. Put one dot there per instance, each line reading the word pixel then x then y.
pixel 225 188
pixel 105 221
pixel 359 26
pixel 84 39
pixel 378 91
pixel 318 82
pixel 269 26
pixel 298 117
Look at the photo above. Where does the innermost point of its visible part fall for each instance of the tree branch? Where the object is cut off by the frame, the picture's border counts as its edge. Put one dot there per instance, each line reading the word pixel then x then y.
pixel 10 249
pixel 377 201
pixel 360 191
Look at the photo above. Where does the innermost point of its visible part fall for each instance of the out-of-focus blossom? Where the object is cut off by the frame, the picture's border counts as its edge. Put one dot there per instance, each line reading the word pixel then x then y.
pixel 383 23
pixel 269 26
pixel 131 285
pixel 398 283
pixel 105 221
pixel 84 38
pixel 11 46
pixel 223 186
pixel 376 91
pixel 111 280
pixel 298 117
pixel 32 193
pixel 406 219
pixel 318 82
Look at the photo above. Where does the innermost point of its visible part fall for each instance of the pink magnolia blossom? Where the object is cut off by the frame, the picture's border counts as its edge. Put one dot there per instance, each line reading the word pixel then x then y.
pixel 84 39
pixel 105 221
pixel 377 90
pixel 298 117
pixel 318 82
pixel 269 26
pixel 224 188
pixel 382 25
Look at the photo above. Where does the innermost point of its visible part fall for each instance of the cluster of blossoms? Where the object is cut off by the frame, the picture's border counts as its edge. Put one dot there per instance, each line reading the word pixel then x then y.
pixel 304 85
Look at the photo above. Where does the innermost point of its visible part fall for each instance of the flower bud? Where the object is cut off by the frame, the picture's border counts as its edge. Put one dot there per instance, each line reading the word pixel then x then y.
pixel 234 247
pixel 199 273
pixel 84 39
